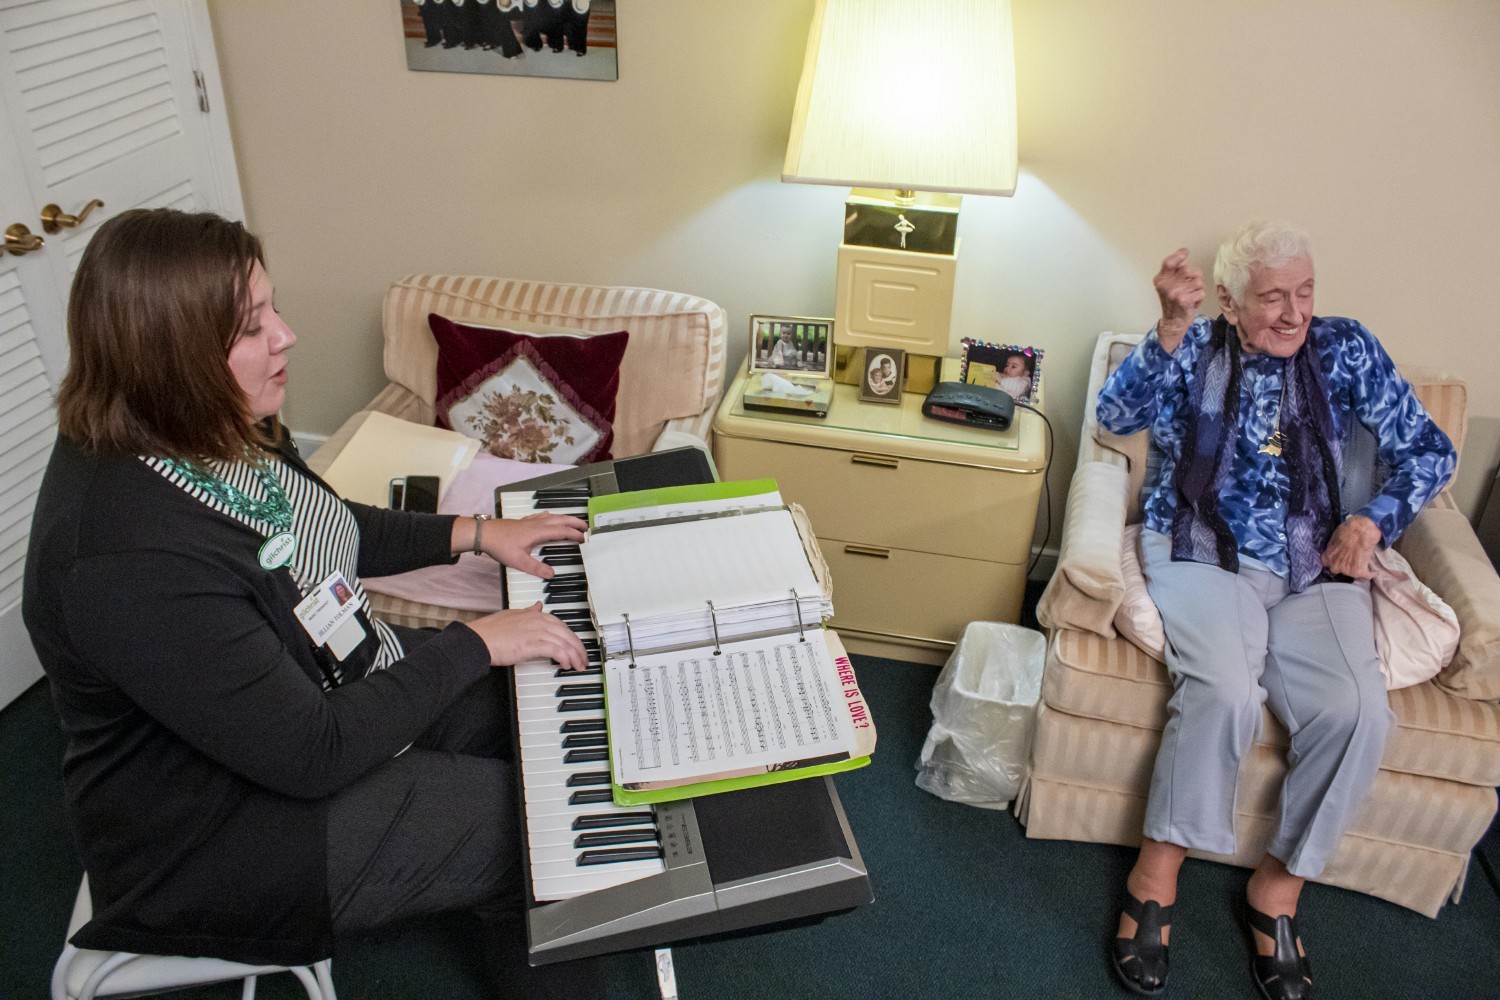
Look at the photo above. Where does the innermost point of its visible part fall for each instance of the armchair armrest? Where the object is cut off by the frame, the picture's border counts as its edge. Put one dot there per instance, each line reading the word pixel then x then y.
pixel 1089 583
pixel 396 400
pixel 1446 555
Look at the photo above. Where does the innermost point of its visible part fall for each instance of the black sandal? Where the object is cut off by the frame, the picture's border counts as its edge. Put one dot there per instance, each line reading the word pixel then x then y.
pixel 1286 974
pixel 1144 955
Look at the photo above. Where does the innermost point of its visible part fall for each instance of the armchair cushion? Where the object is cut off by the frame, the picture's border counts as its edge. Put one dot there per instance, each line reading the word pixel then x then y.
pixel 1444 551
pixel 1089 583
pixel 1416 633
pixel 530 398
pixel 672 373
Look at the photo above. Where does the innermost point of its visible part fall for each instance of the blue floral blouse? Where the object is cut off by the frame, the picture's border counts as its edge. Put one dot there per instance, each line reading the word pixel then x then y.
pixel 1413 457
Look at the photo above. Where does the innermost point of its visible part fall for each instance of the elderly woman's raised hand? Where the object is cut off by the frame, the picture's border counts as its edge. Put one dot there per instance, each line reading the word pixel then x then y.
pixel 1179 285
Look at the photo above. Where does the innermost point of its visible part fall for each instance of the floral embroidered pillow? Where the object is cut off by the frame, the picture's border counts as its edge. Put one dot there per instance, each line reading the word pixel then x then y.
pixel 530 398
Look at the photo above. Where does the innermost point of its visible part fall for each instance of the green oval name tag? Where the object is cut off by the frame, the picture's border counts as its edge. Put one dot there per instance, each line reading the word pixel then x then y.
pixel 278 550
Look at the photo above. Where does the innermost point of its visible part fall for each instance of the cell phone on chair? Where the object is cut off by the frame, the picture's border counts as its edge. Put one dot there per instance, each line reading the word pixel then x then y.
pixel 418 493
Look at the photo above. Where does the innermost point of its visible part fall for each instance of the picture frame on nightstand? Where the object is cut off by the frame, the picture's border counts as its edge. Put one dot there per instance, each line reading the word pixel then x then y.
pixel 882 374
pixel 1013 368
pixel 790 365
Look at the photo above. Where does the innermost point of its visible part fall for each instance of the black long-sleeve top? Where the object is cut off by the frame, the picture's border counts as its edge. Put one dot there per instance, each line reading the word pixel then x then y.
pixel 201 746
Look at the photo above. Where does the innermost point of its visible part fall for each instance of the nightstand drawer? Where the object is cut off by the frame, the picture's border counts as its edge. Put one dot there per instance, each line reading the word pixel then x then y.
pixel 903 503
pixel 904 594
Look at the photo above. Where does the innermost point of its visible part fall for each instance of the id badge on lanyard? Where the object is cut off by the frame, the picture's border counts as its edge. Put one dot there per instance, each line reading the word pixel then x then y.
pixel 327 614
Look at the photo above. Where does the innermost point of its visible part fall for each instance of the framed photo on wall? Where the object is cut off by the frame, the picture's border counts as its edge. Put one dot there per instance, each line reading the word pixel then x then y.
pixel 574 39
pixel 1015 369
pixel 884 370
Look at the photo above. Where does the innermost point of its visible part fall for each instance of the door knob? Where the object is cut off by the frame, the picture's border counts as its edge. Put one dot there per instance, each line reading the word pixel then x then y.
pixel 54 219
pixel 19 240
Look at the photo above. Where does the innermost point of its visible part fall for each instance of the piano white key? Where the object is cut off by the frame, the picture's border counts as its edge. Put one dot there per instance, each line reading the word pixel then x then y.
pixel 563 835
pixel 566 885
pixel 549 816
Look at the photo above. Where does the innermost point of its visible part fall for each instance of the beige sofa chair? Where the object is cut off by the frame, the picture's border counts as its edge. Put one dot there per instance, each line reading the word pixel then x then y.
pixel 670 379
pixel 1104 701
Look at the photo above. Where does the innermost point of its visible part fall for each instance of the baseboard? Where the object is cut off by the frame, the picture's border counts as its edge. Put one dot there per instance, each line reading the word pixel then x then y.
pixel 1046 565
pixel 308 443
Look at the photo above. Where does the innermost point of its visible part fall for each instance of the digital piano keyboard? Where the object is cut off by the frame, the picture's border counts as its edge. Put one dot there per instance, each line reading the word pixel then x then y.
pixel 602 877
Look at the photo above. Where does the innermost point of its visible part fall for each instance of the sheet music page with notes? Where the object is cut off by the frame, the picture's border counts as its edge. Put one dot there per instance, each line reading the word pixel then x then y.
pixel 758 705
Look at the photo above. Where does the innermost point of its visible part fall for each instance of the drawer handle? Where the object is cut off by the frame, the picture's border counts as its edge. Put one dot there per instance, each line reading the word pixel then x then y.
pixel 884 461
pixel 867 550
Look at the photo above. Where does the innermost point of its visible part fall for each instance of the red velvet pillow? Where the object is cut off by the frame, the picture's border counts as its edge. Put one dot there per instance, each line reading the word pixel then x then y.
pixel 530 398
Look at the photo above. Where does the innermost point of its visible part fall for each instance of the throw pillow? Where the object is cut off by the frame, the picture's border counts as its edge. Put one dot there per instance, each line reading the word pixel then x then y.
pixel 529 398
pixel 1416 634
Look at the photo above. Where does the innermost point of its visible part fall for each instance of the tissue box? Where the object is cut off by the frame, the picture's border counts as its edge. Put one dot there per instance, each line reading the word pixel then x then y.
pixel 812 400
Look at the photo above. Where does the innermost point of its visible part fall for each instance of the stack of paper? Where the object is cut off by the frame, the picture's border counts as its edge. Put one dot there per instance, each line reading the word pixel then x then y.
pixel 385 447
pixel 708 581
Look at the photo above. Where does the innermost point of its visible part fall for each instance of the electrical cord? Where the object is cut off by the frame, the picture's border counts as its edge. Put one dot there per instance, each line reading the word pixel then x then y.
pixel 1046 489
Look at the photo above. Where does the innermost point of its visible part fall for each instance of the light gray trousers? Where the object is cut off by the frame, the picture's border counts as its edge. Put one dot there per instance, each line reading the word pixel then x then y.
pixel 1235 640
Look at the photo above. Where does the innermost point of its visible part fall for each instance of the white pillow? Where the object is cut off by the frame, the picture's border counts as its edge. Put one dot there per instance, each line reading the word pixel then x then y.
pixel 1416 634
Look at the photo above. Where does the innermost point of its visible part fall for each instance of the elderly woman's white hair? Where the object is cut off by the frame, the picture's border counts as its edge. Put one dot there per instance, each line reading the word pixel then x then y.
pixel 1257 244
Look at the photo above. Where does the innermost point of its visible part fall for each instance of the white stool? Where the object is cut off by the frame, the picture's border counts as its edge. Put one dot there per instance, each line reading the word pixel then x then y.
pixel 81 974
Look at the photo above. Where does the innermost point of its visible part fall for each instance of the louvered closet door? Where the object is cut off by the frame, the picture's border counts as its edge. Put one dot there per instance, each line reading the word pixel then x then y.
pixel 116 100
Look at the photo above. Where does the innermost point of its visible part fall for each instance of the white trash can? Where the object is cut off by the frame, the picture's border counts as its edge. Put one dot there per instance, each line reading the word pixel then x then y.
pixel 983 716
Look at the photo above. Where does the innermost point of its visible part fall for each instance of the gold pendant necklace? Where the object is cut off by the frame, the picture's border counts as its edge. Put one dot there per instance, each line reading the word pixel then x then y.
pixel 1273 443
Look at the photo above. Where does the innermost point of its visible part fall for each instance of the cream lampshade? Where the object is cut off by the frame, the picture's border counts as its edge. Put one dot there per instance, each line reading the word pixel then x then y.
pixel 916 100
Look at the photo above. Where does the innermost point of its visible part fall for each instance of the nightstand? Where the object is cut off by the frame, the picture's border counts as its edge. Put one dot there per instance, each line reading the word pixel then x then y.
pixel 926 526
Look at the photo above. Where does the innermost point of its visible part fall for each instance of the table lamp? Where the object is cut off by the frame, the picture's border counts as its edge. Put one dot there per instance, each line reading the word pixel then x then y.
pixel 911 105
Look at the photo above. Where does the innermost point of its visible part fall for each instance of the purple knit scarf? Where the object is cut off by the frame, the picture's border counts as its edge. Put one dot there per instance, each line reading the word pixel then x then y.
pixel 1309 447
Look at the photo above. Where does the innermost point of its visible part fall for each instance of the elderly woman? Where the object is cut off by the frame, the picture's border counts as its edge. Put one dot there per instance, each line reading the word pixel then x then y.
pixel 1285 449
pixel 251 766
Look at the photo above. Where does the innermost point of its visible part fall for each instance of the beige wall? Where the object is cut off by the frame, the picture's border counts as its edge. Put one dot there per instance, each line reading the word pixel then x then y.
pixel 1144 126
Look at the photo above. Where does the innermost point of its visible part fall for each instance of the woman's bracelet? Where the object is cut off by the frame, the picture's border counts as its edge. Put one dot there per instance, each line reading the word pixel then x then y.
pixel 479 520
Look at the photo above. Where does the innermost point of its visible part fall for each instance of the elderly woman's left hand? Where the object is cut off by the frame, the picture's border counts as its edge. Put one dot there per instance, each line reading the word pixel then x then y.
pixel 1351 550
pixel 510 541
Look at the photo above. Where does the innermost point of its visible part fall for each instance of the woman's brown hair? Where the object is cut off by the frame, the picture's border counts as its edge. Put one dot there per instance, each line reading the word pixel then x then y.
pixel 159 298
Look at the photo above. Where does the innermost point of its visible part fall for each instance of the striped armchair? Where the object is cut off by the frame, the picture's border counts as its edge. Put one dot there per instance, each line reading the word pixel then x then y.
pixel 670 379
pixel 1104 700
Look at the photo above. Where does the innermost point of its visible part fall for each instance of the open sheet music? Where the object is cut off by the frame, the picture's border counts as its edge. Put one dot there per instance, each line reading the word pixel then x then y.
pixel 717 668
pixel 758 705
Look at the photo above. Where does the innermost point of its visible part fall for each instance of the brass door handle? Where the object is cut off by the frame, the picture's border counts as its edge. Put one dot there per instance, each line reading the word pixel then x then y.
pixel 54 219
pixel 19 240
pixel 867 550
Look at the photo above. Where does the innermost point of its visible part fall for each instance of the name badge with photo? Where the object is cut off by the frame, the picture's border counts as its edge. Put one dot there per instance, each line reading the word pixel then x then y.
pixel 328 616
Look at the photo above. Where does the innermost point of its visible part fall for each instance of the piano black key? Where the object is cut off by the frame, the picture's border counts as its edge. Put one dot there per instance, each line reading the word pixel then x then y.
pixel 581 705
pixel 580 626
pixel 572 614
pixel 599 821
pixel 608 838
pixel 594 669
pixel 613 855
pixel 578 690
pixel 554 492
pixel 560 503
pixel 567 584
pixel 583 779
pixel 590 740
pixel 555 550
pixel 585 796
pixel 575 559
pixel 586 756
pixel 584 726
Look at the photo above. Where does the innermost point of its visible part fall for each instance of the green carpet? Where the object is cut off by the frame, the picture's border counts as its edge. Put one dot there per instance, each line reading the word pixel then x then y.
pixel 965 905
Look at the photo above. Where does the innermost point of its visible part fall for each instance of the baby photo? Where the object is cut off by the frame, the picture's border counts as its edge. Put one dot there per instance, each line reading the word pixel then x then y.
pixel 1011 368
